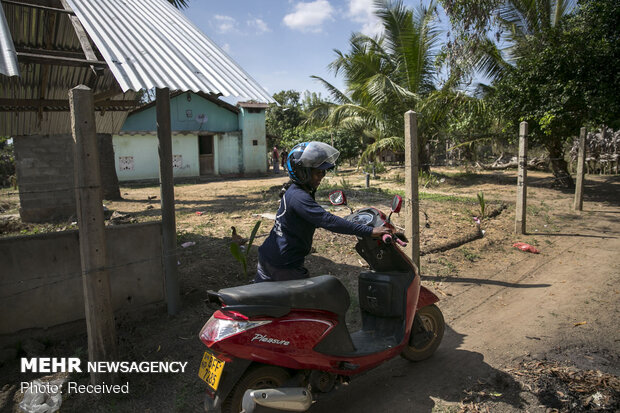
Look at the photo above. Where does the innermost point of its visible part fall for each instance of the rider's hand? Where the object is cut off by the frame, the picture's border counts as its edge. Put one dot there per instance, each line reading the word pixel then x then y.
pixel 378 232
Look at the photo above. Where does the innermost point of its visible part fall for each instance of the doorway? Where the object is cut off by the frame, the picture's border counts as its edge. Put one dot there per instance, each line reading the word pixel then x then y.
pixel 205 148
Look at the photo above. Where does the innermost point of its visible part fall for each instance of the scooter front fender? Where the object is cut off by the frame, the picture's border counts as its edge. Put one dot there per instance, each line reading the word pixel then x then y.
pixel 426 297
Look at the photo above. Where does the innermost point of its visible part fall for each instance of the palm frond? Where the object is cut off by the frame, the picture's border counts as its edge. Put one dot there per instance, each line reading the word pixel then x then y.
pixel 336 94
pixel 393 143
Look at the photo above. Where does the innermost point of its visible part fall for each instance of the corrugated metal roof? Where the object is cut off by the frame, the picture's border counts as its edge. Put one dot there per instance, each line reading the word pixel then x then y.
pixel 149 43
pixel 38 29
pixel 8 57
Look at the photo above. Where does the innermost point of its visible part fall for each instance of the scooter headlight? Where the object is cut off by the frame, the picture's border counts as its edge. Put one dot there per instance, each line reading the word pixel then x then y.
pixel 221 326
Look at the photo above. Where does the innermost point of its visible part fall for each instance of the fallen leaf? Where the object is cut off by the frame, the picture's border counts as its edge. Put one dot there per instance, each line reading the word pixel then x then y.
pixel 580 323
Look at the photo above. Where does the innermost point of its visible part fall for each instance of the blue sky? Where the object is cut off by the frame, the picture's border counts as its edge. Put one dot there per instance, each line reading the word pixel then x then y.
pixel 281 43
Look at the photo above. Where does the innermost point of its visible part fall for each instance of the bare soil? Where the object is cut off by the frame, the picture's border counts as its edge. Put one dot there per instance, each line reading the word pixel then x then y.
pixel 525 332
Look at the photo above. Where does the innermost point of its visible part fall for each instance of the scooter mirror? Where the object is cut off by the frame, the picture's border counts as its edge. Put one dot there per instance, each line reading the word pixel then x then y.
pixel 337 198
pixel 397 203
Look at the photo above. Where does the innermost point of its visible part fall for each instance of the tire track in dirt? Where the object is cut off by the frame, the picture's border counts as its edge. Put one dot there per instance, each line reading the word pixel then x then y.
pixel 501 289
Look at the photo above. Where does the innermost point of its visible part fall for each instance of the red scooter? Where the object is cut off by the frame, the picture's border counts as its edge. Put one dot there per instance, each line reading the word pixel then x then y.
pixel 277 346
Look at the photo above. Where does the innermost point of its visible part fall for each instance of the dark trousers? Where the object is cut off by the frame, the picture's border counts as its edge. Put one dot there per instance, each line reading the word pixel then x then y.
pixel 267 272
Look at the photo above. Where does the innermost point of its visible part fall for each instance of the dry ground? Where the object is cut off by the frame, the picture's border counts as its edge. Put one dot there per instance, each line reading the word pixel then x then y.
pixel 524 332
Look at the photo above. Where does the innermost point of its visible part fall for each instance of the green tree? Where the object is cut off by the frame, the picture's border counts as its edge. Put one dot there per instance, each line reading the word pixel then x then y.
pixel 564 79
pixel 283 119
pixel 481 27
pixel 386 76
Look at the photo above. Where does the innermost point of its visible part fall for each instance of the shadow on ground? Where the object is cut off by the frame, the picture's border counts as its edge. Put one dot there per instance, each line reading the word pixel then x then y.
pixel 403 386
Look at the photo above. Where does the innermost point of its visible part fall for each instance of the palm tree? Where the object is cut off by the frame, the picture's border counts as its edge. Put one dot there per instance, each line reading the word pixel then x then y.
pixel 518 19
pixel 385 76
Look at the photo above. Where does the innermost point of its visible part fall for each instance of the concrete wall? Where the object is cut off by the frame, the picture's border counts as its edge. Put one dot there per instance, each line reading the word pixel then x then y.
pixel 42 282
pixel 44 165
pixel 253 126
pixel 194 115
pixel 228 153
pixel 137 156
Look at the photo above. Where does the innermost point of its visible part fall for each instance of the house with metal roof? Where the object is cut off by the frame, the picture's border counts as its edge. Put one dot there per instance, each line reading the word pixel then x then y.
pixel 209 137
pixel 116 48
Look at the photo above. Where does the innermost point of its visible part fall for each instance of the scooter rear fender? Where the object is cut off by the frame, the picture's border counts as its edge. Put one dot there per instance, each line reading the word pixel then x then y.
pixel 233 370
pixel 426 297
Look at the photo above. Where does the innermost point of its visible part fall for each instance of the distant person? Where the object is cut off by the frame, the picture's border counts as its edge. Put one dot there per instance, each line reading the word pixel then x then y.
pixel 283 156
pixel 276 160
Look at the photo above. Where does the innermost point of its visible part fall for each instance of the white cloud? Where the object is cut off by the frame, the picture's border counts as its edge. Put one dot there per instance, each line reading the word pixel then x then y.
pixel 259 25
pixel 225 24
pixel 362 11
pixel 309 16
pixel 226 48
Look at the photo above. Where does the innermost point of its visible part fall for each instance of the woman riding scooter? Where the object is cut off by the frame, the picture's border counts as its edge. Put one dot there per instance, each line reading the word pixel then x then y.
pixel 282 255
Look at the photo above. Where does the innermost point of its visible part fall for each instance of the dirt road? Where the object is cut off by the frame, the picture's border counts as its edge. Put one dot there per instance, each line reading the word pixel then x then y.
pixel 561 305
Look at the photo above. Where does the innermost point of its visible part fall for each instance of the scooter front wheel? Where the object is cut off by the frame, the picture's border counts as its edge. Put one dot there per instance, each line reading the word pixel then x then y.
pixel 256 378
pixel 432 326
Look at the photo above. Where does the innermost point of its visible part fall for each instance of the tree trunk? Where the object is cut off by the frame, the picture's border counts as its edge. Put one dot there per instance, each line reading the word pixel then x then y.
pixel 559 166
pixel 424 158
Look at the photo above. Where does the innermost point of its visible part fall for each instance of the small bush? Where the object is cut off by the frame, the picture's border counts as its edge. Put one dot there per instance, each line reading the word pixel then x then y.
pixel 379 167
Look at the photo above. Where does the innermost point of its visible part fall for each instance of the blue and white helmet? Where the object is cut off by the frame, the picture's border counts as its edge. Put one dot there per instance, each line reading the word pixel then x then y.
pixel 307 156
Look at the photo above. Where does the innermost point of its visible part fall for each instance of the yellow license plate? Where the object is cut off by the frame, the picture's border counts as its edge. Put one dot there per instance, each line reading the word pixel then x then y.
pixel 211 370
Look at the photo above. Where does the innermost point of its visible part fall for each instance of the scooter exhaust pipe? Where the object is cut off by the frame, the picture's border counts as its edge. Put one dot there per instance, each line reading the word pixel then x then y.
pixel 295 399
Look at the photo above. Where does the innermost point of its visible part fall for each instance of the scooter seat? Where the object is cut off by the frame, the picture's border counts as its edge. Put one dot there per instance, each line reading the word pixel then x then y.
pixel 324 292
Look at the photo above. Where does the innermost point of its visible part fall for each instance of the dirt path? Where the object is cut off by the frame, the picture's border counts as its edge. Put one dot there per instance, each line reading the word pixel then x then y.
pixel 559 305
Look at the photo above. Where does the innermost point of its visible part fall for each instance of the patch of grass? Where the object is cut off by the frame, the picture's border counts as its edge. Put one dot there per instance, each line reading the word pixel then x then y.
pixel 181 401
pixel 399 179
pixel 427 179
pixel 448 198
pixel 449 267
pixel 469 255
pixel 184 236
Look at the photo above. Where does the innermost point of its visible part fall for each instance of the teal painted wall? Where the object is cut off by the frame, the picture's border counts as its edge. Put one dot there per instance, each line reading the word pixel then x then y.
pixel 254 156
pixel 184 116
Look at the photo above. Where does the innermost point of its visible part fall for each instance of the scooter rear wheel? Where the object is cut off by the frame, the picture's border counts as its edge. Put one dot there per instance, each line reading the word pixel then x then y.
pixel 432 319
pixel 256 378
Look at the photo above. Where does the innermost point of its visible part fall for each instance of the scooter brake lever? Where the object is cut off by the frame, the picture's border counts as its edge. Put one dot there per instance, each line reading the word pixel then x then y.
pixel 400 242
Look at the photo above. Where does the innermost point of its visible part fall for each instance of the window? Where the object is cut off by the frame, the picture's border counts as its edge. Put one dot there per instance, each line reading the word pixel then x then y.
pixel 255 142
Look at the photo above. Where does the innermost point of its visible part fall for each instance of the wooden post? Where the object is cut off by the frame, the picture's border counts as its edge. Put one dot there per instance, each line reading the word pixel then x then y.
pixel 95 279
pixel 412 206
pixel 166 182
pixel 578 204
pixel 521 210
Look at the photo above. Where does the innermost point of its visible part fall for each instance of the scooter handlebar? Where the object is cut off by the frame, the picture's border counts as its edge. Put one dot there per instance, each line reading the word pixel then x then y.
pixel 388 239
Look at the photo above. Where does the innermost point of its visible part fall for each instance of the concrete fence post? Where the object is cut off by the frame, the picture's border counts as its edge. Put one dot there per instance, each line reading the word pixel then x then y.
pixel 95 279
pixel 521 208
pixel 581 159
pixel 412 206
pixel 166 182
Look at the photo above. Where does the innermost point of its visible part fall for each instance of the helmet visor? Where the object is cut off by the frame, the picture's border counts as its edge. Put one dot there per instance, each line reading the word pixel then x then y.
pixel 319 155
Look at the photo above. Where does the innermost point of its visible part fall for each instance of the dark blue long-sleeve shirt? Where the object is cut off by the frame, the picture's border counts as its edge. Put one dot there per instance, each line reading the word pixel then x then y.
pixel 299 215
